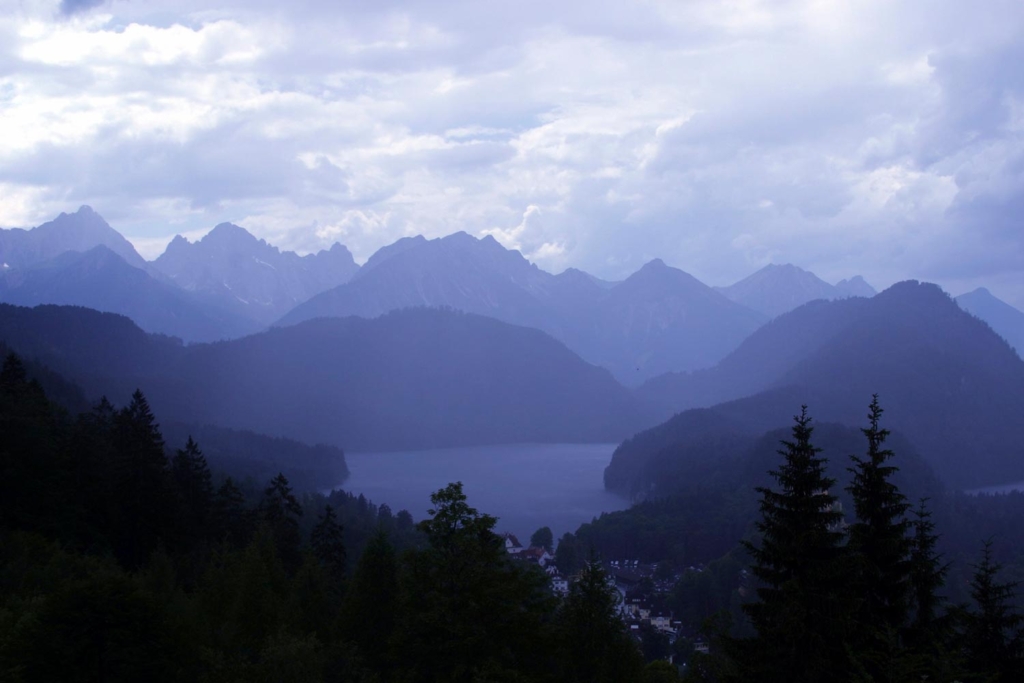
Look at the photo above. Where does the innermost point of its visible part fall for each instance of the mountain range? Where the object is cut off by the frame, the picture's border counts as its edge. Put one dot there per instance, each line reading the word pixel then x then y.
pixel 237 271
pixel 778 289
pixel 224 286
pixel 411 379
pixel 658 319
pixel 367 359
pixel 79 231
pixel 1007 321
pixel 103 280
pixel 948 383
pixel 230 283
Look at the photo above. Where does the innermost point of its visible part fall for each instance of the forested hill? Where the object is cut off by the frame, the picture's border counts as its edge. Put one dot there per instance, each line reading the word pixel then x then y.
pixel 103 280
pixel 954 388
pixel 701 488
pixel 732 446
pixel 411 379
pixel 951 385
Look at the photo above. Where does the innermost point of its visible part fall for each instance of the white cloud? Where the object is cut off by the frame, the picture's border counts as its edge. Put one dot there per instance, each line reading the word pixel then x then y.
pixel 872 136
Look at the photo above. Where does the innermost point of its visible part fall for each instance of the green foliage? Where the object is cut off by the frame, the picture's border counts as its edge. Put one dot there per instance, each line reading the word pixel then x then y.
pixel 992 636
pixel 328 546
pixel 543 538
pixel 118 564
pixel 465 607
pixel 801 616
pixel 280 511
pixel 596 646
pixel 368 612
pixel 569 556
pixel 660 672
pixel 880 547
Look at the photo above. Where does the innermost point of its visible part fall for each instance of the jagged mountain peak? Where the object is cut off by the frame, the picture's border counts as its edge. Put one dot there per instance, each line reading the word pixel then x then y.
pixel 78 231
pixel 244 273
pixel 855 286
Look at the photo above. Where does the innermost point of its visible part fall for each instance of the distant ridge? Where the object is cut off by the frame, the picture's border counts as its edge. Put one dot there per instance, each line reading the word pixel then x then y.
pixel 1007 321
pixel 413 379
pixel 948 383
pixel 232 268
pixel 79 231
pixel 658 319
pixel 778 289
pixel 102 280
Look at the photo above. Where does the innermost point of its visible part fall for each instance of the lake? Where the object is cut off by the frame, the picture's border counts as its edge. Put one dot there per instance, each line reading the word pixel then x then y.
pixel 526 486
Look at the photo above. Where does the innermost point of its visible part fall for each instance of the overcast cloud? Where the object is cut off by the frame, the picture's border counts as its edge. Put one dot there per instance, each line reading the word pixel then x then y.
pixel 878 137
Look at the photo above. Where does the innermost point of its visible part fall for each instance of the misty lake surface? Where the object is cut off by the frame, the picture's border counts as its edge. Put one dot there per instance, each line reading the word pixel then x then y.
pixel 526 486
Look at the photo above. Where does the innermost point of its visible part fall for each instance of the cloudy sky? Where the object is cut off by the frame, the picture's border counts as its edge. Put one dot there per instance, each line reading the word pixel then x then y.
pixel 876 137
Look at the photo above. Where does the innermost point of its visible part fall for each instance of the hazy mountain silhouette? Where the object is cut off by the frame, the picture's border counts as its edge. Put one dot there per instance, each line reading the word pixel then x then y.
pixel 246 454
pixel 951 385
pixel 658 319
pixel 79 231
pixel 777 289
pixel 458 271
pixel 855 286
pixel 231 267
pixel 410 379
pixel 1007 321
pixel 724 447
pixel 101 279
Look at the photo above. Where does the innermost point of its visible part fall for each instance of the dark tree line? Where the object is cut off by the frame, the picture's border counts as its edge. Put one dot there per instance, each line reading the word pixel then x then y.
pixel 120 563
pixel 860 602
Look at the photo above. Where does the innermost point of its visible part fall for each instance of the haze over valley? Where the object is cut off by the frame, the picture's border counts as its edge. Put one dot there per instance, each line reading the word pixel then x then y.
pixel 563 342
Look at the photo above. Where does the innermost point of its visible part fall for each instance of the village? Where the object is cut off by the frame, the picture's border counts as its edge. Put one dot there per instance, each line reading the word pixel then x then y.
pixel 642 591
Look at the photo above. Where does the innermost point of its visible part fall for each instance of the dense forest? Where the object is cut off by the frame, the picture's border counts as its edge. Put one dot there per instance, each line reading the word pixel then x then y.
pixel 800 569
pixel 120 563
pixel 126 559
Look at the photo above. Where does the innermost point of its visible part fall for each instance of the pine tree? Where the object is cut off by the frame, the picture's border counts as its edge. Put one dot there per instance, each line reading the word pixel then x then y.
pixel 992 635
pixel 880 546
pixel 594 645
pixel 543 538
pixel 327 541
pixel 280 510
pixel 232 522
pixel 927 576
pixel 802 613
pixel 927 636
pixel 369 610
pixel 140 482
pixel 468 611
pixel 194 486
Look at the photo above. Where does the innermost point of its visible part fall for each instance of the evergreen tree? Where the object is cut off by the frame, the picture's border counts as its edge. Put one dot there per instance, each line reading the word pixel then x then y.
pixel 468 611
pixel 594 644
pixel 193 484
pixel 802 613
pixel 140 482
pixel 880 547
pixel 543 538
pixel 327 541
pixel 927 576
pixel 992 636
pixel 928 633
pixel 232 522
pixel 280 510
pixel 29 451
pixel 569 555
pixel 369 610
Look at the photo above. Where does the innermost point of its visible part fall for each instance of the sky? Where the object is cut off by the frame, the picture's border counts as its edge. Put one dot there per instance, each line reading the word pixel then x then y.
pixel 876 137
